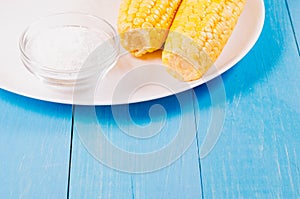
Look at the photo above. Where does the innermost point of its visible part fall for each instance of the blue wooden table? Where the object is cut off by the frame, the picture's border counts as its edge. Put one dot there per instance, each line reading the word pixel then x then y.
pixel 43 154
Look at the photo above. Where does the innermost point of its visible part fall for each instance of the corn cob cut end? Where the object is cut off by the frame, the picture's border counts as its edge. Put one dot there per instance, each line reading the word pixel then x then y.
pixel 141 41
pixel 175 65
pixel 185 69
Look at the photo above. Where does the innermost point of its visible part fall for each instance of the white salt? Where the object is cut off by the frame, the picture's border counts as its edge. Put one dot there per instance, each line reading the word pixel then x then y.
pixel 65 47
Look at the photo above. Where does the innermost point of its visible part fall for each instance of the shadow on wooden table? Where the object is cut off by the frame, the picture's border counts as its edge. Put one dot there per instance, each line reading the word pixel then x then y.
pixel 33 105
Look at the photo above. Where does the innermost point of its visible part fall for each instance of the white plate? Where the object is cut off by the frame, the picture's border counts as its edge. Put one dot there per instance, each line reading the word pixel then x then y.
pixel 16 15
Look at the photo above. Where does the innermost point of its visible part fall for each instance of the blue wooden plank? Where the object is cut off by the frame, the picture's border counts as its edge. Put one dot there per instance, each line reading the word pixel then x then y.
pixel 34 147
pixel 182 178
pixel 294 13
pixel 257 154
pixel 91 179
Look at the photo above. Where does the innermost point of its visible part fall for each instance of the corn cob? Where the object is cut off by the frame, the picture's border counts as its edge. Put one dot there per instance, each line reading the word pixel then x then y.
pixel 143 24
pixel 198 34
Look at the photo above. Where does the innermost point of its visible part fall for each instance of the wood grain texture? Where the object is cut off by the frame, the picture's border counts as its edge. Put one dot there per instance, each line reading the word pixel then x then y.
pixel 257 155
pixel 294 14
pixel 160 120
pixel 34 147
pixel 182 178
pixel 89 178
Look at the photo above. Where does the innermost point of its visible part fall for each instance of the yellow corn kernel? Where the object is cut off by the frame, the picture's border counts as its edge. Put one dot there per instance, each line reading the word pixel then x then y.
pixel 198 34
pixel 140 23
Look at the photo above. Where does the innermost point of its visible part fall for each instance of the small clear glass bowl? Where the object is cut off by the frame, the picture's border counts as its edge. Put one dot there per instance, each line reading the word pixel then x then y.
pixel 69 48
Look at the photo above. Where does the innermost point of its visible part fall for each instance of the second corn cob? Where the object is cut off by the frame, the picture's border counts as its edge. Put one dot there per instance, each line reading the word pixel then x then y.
pixel 198 34
pixel 143 24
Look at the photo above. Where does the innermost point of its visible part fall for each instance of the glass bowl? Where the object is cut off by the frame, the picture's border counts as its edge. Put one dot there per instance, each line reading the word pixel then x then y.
pixel 69 48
